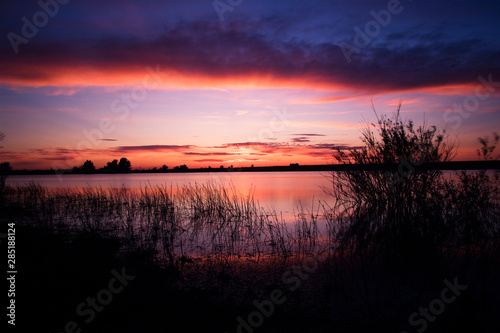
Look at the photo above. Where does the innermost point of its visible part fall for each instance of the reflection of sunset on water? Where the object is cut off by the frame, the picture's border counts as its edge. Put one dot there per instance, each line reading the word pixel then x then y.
pixel 282 192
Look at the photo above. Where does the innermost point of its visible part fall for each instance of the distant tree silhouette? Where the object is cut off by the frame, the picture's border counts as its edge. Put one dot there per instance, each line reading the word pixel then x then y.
pixel 5 168
pixel 181 168
pixel 111 167
pixel 87 167
pixel 124 165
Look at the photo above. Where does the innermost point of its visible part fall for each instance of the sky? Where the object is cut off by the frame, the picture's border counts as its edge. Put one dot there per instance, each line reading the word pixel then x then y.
pixel 238 82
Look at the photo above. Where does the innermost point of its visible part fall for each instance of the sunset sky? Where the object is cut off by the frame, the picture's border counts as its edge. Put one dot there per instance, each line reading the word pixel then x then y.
pixel 238 82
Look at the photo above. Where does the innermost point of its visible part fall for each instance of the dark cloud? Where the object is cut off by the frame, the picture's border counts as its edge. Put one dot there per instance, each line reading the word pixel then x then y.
pixel 206 154
pixel 206 49
pixel 323 146
pixel 301 139
pixel 210 160
pixel 309 134
pixel 152 148
pixel 344 147
pixel 48 151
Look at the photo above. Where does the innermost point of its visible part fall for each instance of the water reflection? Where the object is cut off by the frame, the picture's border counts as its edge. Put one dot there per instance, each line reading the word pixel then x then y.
pixel 282 192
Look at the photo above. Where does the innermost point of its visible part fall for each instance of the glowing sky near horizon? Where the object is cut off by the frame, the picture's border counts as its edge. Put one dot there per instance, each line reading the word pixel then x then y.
pixel 166 82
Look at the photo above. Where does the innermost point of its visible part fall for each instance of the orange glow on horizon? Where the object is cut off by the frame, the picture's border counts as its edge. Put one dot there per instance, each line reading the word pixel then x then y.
pixel 85 76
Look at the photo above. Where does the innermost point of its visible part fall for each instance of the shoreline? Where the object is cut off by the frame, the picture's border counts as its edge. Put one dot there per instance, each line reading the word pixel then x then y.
pixel 455 165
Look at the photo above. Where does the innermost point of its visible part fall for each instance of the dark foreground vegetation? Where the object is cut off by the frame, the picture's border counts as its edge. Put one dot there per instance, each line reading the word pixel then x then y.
pixel 410 250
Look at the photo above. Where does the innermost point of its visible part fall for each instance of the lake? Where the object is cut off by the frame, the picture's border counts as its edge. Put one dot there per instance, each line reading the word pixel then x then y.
pixel 284 192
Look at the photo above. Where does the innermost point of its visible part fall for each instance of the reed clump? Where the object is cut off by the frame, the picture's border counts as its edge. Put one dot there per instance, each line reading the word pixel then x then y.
pixel 203 223
pixel 406 212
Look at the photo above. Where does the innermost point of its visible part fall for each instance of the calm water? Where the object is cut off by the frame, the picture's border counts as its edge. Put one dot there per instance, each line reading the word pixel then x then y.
pixel 283 192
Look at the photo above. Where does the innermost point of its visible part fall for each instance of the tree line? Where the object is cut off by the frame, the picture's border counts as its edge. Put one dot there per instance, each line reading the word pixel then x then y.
pixel 114 166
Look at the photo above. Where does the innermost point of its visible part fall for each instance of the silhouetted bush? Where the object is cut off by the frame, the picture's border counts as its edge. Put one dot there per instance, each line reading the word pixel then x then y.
pixel 405 210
